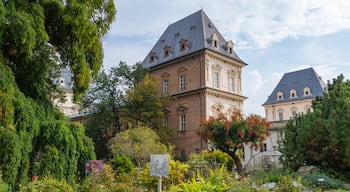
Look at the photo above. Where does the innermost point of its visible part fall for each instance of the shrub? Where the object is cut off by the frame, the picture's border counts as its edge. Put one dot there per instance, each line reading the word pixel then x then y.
pixel 273 175
pixel 122 164
pixel 47 184
pixel 3 186
pixel 312 180
pixel 208 160
pixel 217 181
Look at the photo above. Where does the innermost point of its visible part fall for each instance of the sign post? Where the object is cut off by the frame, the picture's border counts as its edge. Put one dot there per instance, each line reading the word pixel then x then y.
pixel 159 167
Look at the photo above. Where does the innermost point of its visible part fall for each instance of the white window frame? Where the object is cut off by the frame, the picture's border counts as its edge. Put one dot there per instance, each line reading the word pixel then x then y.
pixel 182 82
pixel 165 86
pixel 216 79
pixel 231 84
pixel 182 122
pixel 280 116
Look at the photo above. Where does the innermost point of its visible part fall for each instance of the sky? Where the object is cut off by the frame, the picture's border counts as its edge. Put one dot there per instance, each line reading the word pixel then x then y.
pixel 272 37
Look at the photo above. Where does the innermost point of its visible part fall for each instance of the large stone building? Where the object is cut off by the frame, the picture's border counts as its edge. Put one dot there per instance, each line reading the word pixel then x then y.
pixel 200 69
pixel 293 95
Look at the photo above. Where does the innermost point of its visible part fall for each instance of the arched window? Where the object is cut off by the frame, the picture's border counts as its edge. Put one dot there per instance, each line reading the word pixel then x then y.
pixel 279 95
pixel 214 41
pixel 167 51
pixel 229 47
pixel 307 91
pixel 293 93
pixel 183 45
pixel 152 57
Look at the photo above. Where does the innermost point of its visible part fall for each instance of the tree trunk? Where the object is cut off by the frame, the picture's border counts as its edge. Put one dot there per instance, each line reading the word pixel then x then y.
pixel 238 163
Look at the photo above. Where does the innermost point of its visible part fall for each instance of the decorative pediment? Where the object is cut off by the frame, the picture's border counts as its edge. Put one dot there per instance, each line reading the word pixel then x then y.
pixel 217 67
pixel 181 69
pixel 181 109
pixel 165 75
pixel 232 72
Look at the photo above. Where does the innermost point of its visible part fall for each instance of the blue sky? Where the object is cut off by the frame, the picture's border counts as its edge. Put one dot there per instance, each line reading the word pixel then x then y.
pixel 272 37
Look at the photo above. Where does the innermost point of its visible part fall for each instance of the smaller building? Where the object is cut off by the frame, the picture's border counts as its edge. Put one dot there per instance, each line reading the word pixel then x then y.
pixel 293 95
pixel 68 107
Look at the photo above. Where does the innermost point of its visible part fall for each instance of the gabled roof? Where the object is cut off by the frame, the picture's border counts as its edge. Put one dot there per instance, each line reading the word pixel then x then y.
pixel 298 80
pixel 197 32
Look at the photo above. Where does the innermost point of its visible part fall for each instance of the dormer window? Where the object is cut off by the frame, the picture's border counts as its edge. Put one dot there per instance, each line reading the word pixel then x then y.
pixel 307 91
pixel 152 57
pixel 229 46
pixel 167 51
pixel 279 96
pixel 293 93
pixel 60 81
pixel 183 45
pixel 214 40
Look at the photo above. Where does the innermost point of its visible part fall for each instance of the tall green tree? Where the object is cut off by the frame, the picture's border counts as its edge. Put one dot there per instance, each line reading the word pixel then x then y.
pixel 143 104
pixel 125 98
pixel 37 38
pixel 104 101
pixel 230 135
pixel 37 140
pixel 321 137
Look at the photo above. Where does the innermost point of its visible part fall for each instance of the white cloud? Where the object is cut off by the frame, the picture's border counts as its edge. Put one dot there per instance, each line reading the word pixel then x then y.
pixel 255 26
pixel 265 22
pixel 248 23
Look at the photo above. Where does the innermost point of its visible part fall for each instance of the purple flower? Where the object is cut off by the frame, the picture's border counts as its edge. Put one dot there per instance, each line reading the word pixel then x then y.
pixel 94 166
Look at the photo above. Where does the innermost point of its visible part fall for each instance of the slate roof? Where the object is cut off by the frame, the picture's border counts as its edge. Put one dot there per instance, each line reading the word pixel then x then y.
pixel 65 80
pixel 197 30
pixel 298 80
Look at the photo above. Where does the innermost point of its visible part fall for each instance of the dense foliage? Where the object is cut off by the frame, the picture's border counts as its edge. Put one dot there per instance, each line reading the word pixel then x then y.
pixel 36 140
pixel 124 98
pixel 138 144
pixel 37 39
pixel 230 135
pixel 48 184
pixel 37 36
pixel 209 160
pixel 321 137
pixel 122 164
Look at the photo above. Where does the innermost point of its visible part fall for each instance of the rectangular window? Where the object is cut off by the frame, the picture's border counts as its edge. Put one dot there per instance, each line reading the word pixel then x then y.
pixel 264 148
pixel 165 86
pixel 196 151
pixel 182 122
pixel 280 115
pixel 183 153
pixel 216 79
pixel 165 120
pixel 294 113
pixel 182 82
pixel 231 84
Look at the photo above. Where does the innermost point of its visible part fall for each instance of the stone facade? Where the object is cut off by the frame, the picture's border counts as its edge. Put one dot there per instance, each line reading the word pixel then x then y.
pixel 293 95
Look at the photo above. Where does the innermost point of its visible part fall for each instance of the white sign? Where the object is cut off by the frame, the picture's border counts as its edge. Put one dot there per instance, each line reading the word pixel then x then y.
pixel 159 165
